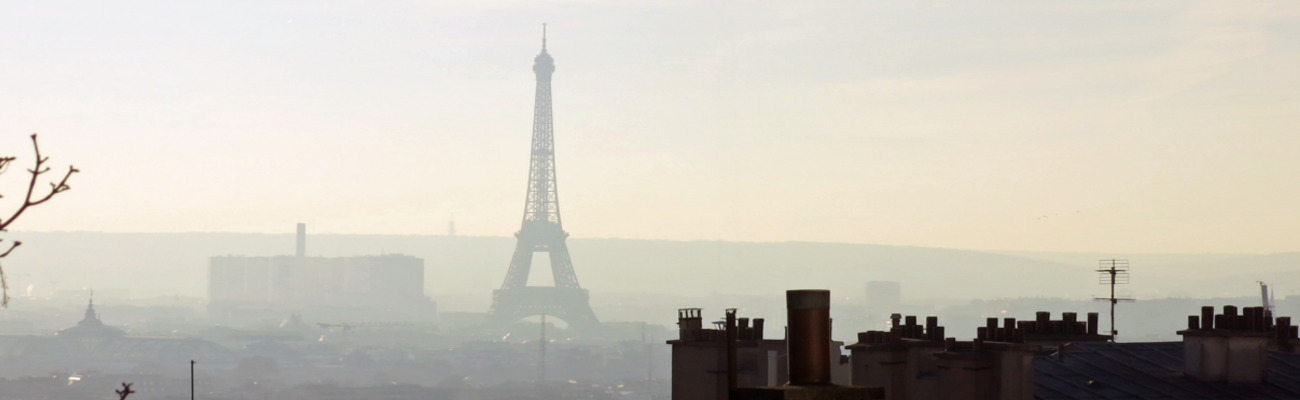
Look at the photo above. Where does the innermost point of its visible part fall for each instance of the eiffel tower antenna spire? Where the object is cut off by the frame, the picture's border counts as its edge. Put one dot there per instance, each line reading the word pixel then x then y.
pixel 543 36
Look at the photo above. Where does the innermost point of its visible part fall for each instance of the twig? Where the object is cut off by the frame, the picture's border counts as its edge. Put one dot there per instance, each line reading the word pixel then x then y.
pixel 36 172
pixel 126 390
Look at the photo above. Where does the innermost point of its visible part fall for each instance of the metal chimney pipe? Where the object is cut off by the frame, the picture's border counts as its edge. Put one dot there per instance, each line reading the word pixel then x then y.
pixel 732 375
pixel 809 341
pixel 302 239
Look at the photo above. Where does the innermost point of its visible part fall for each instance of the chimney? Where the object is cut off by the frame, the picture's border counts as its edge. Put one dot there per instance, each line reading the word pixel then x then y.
pixel 1233 348
pixel 302 239
pixel 689 323
pixel 809 316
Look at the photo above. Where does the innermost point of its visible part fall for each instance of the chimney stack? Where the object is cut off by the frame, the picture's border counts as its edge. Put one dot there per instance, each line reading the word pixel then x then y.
pixel 809 341
pixel 1230 347
pixel 302 239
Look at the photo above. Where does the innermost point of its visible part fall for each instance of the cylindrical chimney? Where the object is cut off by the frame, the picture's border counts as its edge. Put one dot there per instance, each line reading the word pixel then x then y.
pixel 809 343
pixel 1207 317
pixel 758 329
pixel 302 239
pixel 1067 320
pixel 1092 323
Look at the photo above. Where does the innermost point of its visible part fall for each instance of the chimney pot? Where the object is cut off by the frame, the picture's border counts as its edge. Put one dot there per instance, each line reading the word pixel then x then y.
pixel 809 342
pixel 1069 319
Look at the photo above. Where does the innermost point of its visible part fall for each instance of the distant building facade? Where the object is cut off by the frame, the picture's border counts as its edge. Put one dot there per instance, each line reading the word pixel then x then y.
pixel 382 287
pixel 291 282
pixel 884 294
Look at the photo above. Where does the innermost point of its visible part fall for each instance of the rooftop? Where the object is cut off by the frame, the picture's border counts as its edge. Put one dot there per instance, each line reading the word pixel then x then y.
pixel 1149 371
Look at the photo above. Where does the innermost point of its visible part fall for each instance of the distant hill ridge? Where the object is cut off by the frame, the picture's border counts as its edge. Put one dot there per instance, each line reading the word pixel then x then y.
pixel 149 264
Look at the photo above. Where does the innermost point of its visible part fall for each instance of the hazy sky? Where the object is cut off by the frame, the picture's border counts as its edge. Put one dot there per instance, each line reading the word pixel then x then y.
pixel 1135 126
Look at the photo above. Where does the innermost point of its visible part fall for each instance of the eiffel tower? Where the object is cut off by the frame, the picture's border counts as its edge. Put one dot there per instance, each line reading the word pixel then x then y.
pixel 541 231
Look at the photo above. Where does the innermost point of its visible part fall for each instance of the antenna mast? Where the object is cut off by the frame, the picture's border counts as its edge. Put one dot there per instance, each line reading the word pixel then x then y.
pixel 1113 272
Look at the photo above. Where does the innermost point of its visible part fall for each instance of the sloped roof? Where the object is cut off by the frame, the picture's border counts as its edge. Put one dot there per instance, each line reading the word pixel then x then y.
pixel 1149 371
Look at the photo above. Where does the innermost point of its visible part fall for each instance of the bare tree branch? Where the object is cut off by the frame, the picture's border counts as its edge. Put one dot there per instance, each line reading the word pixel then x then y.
pixel 35 172
pixel 126 390
pixel 11 248
pixel 4 289
pixel 55 188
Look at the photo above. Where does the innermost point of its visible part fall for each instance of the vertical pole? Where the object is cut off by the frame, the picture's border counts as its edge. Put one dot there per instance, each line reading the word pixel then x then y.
pixel 541 362
pixel 650 359
pixel 649 362
pixel 191 379
pixel 1113 332
pixel 731 353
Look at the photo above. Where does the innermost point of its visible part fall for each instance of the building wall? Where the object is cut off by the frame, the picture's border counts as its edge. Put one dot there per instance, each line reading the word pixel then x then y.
pixel 699 371
pixel 287 282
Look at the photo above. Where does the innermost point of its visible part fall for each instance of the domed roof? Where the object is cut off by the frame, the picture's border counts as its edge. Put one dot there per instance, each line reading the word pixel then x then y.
pixel 90 325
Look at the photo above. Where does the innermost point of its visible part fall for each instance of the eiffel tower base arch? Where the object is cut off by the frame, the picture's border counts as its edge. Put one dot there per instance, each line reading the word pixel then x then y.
pixel 568 304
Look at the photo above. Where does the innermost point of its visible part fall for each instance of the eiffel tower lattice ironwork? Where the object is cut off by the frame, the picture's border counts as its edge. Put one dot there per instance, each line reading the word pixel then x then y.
pixel 542 231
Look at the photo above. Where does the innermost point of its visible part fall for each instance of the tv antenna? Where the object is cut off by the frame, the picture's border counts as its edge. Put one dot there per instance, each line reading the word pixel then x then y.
pixel 1113 272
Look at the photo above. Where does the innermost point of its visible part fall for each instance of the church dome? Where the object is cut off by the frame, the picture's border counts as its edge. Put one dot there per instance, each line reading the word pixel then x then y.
pixel 90 326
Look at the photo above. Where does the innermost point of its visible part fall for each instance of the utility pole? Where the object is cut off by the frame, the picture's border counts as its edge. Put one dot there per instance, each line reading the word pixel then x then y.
pixel 191 379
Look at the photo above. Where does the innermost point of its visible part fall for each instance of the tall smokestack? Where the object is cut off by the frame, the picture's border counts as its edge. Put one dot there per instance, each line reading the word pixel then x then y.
pixel 302 239
pixel 809 342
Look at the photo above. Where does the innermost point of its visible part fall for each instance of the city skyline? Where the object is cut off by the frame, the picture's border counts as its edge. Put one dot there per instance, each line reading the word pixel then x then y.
pixel 1120 126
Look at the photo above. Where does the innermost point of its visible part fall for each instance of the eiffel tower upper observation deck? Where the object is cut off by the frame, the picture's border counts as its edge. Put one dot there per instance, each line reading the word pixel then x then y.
pixel 542 231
